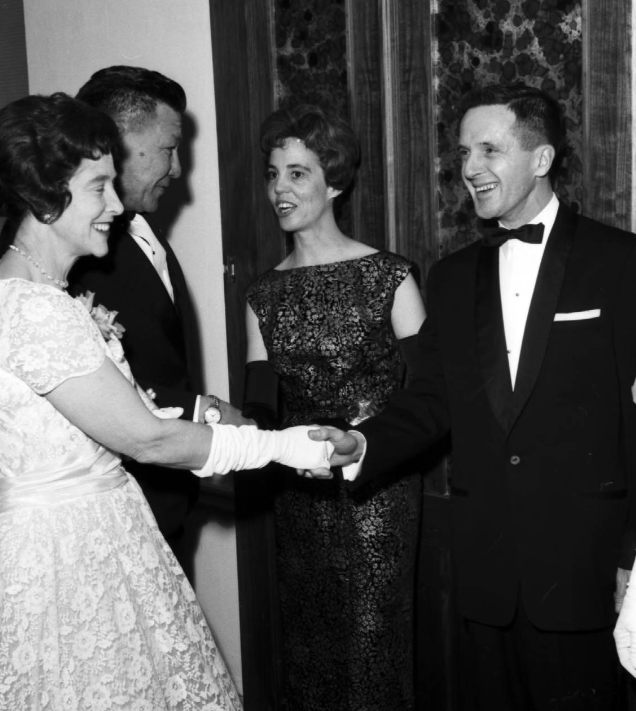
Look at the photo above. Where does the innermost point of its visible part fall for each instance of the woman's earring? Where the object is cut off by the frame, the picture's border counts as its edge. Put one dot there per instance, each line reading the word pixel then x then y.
pixel 47 219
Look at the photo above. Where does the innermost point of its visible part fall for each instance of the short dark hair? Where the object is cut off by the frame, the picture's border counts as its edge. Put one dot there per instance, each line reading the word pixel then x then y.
pixel 323 132
pixel 539 118
pixel 43 140
pixel 131 94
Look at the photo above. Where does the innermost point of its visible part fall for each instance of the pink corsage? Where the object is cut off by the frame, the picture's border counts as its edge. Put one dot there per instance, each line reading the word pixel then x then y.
pixel 104 319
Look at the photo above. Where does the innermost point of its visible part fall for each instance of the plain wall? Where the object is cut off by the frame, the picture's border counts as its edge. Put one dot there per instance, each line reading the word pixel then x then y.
pixel 66 42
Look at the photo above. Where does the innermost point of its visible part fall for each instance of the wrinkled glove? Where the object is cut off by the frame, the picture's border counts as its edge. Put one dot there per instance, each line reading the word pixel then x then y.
pixel 250 448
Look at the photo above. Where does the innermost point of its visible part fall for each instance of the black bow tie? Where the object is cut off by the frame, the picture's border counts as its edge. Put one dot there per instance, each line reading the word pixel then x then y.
pixel 495 236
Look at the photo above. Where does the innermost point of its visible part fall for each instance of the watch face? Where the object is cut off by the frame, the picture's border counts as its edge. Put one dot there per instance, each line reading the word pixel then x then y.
pixel 212 415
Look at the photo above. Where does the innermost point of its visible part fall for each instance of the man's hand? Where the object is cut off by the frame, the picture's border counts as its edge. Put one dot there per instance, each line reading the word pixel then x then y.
pixel 347 448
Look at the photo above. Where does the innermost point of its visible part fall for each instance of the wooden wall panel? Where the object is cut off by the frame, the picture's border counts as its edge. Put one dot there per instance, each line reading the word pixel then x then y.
pixel 607 103
pixel 364 52
pixel 14 82
pixel 409 102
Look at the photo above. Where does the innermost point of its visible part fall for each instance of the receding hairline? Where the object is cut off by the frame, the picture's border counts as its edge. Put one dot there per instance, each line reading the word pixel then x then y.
pixel 529 136
pixel 137 120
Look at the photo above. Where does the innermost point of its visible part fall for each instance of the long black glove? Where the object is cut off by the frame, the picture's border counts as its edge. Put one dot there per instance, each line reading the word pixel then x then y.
pixel 260 401
pixel 410 354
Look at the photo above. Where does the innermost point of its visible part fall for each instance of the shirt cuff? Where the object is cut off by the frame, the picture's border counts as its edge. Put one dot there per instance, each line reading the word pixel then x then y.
pixel 351 471
pixel 195 415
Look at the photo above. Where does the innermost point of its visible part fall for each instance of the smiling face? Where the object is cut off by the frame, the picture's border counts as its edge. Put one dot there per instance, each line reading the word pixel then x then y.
pixel 150 160
pixel 504 180
pixel 296 187
pixel 84 226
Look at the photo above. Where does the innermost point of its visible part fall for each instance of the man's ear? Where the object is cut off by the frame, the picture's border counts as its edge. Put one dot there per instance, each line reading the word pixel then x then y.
pixel 545 157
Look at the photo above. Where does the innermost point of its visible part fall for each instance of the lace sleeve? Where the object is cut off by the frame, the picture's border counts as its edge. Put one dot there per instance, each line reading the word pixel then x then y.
pixel 51 338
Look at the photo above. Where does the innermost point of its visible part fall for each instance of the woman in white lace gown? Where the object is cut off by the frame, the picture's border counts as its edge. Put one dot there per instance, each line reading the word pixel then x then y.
pixel 95 612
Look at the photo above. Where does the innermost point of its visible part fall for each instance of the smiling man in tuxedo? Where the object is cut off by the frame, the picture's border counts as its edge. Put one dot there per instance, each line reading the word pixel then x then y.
pixel 141 279
pixel 527 356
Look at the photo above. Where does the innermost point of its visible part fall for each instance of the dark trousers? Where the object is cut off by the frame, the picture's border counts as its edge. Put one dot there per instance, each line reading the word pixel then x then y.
pixel 523 668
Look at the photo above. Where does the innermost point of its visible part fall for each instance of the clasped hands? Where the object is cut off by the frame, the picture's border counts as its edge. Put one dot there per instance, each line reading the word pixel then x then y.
pixel 348 447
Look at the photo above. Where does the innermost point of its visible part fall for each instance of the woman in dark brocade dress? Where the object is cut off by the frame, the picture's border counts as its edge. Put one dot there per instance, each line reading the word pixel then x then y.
pixel 335 322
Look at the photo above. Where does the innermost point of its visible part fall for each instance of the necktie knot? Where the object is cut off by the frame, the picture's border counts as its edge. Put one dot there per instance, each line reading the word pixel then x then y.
pixel 495 236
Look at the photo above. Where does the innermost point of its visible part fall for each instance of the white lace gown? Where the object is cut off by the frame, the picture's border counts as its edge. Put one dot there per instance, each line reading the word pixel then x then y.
pixel 95 612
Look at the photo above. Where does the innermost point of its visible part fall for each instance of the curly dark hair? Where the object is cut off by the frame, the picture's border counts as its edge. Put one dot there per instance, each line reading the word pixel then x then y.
pixel 131 94
pixel 43 140
pixel 324 133
pixel 539 118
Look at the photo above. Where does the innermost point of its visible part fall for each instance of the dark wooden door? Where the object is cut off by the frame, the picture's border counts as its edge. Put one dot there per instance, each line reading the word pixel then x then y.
pixel 252 242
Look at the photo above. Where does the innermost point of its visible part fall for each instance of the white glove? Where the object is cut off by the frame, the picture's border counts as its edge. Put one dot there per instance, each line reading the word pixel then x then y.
pixel 247 447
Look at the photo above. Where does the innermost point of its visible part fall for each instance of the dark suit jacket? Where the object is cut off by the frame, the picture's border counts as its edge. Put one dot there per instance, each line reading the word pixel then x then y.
pixel 539 476
pixel 159 343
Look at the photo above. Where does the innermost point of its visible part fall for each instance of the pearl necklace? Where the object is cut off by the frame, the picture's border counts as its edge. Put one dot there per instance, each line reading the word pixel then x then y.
pixel 60 282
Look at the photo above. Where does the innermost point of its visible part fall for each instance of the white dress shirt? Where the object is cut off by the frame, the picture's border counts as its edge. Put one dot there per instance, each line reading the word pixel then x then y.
pixel 143 235
pixel 519 264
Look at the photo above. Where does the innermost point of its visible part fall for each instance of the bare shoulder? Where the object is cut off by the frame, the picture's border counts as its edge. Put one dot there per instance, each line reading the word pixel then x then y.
pixel 358 250
pixel 287 263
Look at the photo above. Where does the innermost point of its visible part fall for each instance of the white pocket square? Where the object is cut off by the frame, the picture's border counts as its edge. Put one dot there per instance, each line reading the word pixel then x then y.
pixel 578 315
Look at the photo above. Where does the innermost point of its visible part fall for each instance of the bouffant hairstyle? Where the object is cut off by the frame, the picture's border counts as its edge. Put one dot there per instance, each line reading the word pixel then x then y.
pixel 43 140
pixel 130 94
pixel 323 132
pixel 539 118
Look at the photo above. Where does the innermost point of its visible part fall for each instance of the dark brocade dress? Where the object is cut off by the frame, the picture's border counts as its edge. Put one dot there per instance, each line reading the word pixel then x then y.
pixel 345 561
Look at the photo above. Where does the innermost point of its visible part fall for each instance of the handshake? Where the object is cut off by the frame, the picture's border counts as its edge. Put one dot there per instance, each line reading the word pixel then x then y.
pixel 311 450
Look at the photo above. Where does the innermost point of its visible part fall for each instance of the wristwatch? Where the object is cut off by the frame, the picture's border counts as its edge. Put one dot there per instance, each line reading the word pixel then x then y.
pixel 212 414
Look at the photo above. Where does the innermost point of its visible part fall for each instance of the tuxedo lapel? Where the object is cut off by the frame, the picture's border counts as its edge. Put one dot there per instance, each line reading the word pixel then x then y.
pixel 182 302
pixel 146 273
pixel 179 289
pixel 177 280
pixel 543 308
pixel 176 275
pixel 491 339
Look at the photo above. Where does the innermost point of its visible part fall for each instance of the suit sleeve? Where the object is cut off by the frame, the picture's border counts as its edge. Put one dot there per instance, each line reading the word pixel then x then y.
pixel 417 417
pixel 171 397
pixel 625 334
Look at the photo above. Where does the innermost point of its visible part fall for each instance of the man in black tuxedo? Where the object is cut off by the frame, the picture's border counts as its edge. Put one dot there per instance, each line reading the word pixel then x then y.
pixel 141 279
pixel 528 356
